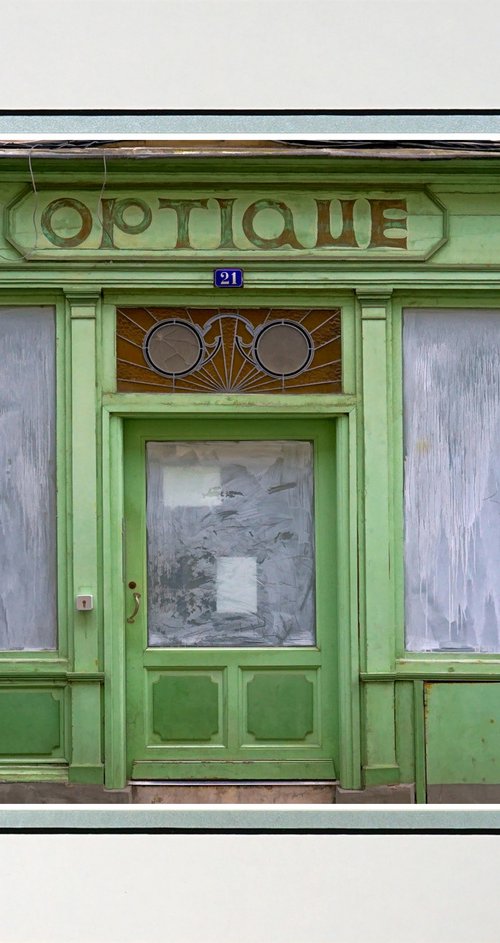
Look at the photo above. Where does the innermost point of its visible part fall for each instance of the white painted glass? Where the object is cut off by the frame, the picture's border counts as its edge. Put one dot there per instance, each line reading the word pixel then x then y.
pixel 230 544
pixel 27 480
pixel 452 479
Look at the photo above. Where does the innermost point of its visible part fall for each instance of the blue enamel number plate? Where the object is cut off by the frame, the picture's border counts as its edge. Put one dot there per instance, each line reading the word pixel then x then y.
pixel 228 277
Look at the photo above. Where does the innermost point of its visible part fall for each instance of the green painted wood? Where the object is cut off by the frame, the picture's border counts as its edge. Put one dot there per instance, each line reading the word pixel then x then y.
pixel 229 404
pixel 106 355
pixel 462 733
pixel 260 759
pixel 84 482
pixel 113 601
pixel 186 706
pixel 86 720
pixel 234 770
pixel 31 722
pixel 280 705
pixel 379 617
pixel 86 749
pixel 162 222
pixel 473 670
pixel 13 674
pixel 419 742
pixel 86 774
pixel 379 762
pixel 347 601
pixel 44 770
pixel 405 730
pixel 264 279
pixel 381 774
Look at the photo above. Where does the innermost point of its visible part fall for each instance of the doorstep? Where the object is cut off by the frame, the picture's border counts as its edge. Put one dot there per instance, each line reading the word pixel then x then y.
pixel 236 793
pixel 207 793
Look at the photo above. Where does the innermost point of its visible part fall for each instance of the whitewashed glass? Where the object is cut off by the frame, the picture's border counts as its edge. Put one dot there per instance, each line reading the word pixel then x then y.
pixel 27 480
pixel 230 543
pixel 452 479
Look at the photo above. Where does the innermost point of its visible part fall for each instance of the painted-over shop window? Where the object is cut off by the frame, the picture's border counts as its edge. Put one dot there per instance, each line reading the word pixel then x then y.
pixel 27 479
pixel 452 479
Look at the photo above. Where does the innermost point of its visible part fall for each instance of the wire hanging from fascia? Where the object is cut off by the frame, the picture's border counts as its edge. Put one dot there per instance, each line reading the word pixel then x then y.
pixel 100 216
pixel 35 191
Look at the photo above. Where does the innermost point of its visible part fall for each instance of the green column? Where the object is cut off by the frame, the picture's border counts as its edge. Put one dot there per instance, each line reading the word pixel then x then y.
pixel 86 721
pixel 379 761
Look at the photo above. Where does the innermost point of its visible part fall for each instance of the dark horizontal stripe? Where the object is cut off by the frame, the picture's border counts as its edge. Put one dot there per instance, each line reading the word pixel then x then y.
pixel 248 831
pixel 259 112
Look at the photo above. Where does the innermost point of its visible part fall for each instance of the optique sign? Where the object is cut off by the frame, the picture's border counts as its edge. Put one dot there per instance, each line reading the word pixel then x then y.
pixel 154 224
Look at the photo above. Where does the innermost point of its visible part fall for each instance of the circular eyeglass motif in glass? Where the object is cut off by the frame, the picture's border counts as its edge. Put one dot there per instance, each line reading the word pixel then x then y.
pixel 283 349
pixel 173 348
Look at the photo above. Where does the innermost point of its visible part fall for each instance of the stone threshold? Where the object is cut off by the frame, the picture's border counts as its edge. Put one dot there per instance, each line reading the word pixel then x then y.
pixel 318 793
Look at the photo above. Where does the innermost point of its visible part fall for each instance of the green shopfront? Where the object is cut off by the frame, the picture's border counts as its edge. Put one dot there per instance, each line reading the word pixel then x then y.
pixel 251 534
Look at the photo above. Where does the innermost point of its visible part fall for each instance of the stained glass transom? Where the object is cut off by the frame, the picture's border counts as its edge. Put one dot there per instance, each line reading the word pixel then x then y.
pixel 250 350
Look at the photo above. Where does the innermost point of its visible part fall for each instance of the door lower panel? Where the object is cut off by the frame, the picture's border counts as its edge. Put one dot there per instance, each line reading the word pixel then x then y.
pixel 217 770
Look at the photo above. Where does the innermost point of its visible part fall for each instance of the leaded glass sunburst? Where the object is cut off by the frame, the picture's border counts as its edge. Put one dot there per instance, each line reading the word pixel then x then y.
pixel 248 350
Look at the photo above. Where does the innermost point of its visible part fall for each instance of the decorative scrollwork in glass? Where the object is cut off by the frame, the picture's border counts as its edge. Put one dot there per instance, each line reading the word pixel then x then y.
pixel 254 350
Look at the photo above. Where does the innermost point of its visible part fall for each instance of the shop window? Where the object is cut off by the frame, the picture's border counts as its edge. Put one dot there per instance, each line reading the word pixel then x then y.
pixel 27 479
pixel 252 350
pixel 452 479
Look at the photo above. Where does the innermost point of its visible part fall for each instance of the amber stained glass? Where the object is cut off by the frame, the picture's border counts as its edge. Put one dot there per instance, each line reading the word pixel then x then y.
pixel 214 350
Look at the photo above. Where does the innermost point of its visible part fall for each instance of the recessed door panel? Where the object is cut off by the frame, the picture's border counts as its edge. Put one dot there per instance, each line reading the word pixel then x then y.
pixel 187 706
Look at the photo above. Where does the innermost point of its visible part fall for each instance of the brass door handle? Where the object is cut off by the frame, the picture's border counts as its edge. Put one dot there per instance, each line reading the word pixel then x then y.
pixel 137 603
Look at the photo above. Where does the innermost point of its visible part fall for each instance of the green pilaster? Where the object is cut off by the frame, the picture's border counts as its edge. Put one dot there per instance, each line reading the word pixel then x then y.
pixel 348 654
pixel 86 721
pixel 113 601
pixel 380 763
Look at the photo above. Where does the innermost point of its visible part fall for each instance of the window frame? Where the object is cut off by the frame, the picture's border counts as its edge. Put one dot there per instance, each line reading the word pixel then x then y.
pixel 59 655
pixel 446 664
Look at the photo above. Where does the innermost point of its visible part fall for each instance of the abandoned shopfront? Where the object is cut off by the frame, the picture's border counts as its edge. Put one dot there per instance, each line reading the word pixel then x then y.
pixel 250 533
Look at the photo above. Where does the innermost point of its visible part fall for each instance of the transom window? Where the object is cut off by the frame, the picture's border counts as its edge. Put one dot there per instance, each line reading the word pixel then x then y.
pixel 252 350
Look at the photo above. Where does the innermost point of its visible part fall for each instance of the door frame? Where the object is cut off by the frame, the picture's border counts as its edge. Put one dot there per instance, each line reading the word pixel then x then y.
pixel 232 756
pixel 116 409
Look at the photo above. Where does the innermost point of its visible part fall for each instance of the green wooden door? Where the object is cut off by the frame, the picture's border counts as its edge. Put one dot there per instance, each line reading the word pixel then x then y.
pixel 231 542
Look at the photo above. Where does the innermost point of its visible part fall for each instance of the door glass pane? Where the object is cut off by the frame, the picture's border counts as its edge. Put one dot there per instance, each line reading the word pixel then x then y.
pixel 452 479
pixel 230 543
pixel 27 479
